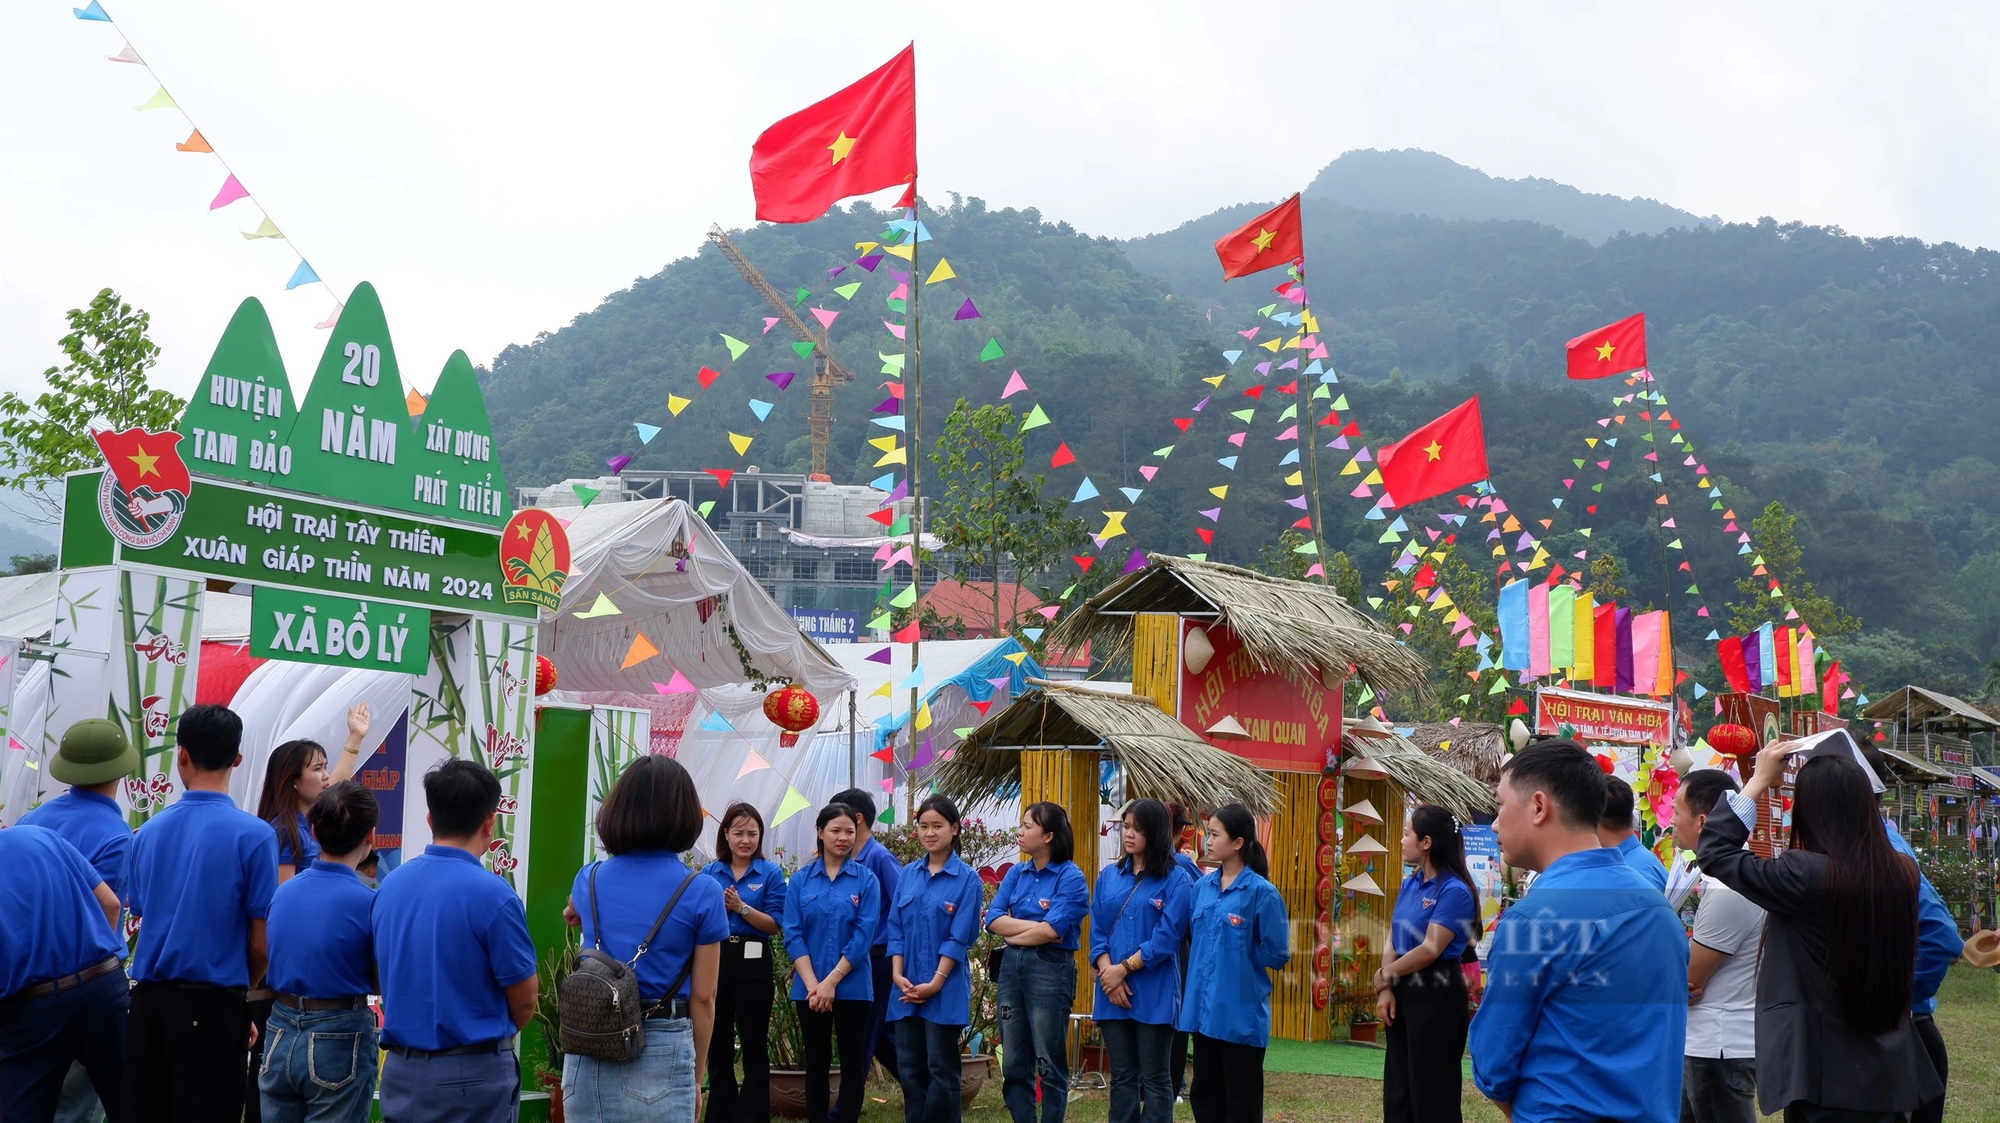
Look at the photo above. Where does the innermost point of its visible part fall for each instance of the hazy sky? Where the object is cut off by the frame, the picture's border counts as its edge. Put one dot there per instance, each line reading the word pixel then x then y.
pixel 497 168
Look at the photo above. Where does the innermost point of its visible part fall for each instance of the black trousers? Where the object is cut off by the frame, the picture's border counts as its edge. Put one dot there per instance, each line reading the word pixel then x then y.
pixel 253 1099
pixel 1803 1112
pixel 1927 1032
pixel 187 1050
pixel 743 995
pixel 41 1037
pixel 1423 1075
pixel 1228 1084
pixel 847 1026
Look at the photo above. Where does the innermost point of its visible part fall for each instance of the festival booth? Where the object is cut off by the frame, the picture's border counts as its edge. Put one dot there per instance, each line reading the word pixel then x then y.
pixel 1249 667
pixel 1927 738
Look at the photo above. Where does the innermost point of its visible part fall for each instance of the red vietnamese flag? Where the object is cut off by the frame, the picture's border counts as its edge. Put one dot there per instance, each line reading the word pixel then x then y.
pixel 1271 239
pixel 1618 348
pixel 138 458
pixel 1445 454
pixel 862 139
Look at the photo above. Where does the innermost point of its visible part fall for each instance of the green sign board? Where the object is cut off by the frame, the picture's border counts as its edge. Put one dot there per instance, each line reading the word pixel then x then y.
pixel 339 631
pixel 238 533
pixel 353 439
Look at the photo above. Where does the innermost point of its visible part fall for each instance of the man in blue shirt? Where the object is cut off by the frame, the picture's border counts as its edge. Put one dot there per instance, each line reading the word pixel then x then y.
pixel 323 969
pixel 456 966
pixel 1585 1012
pixel 62 978
pixel 200 882
pixel 880 862
pixel 94 757
pixel 1617 830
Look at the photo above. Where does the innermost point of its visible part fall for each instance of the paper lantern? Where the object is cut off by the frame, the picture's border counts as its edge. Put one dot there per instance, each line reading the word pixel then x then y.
pixel 791 709
pixel 1733 740
pixel 1196 651
pixel 545 674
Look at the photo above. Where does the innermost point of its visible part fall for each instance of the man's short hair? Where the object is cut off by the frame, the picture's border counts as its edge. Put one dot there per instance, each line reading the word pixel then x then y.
pixel 1702 787
pixel 1567 773
pixel 461 795
pixel 1618 805
pixel 861 801
pixel 212 735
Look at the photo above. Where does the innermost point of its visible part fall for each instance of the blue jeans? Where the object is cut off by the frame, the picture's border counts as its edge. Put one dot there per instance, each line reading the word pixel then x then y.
pixel 1037 990
pixel 41 1037
pixel 1142 1077
pixel 319 1066
pixel 468 1088
pixel 658 1084
pixel 928 1065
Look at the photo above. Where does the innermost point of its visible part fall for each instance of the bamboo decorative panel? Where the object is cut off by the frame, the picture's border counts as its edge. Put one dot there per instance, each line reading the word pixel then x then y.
pixel 1362 919
pixel 1156 659
pixel 1293 843
pixel 1069 777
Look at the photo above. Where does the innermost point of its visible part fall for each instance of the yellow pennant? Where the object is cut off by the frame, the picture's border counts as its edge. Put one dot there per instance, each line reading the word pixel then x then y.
pixel 1221 492
pixel 740 442
pixel 676 403
pixel 943 272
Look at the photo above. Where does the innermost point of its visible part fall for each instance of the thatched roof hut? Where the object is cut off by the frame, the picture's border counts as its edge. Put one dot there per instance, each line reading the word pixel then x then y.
pixel 1161 757
pixel 1297 626
pixel 1428 777
pixel 1472 747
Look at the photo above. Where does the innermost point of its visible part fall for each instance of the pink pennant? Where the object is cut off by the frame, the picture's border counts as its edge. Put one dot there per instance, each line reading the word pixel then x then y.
pixel 1237 438
pixel 1049 611
pixel 882 552
pixel 1290 434
pixel 1604 464
pixel 678 684
pixel 1361 492
pixel 894 329
pixel 1250 334
pixel 769 323
pixel 1653 456
pixel 1149 470
pixel 232 190
pixel 1014 386
pixel 825 316
pixel 902 293
pixel 1567 484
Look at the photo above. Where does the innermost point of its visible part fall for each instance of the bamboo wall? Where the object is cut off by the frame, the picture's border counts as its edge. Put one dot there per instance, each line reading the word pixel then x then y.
pixel 1363 918
pixel 1069 777
pixel 1156 659
pixel 1293 843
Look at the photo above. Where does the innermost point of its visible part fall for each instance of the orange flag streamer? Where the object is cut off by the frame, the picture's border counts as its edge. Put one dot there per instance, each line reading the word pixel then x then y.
pixel 195 143
pixel 642 650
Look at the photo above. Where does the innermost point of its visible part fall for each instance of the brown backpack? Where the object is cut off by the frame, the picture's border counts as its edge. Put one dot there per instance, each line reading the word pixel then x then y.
pixel 602 1014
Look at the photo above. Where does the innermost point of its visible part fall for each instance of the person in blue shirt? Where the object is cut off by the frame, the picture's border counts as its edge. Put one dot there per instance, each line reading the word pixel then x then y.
pixel 1039 910
pixel 871 853
pixel 94 758
pixel 200 882
pixel 1617 830
pixel 1241 935
pixel 1138 917
pixel 1585 1011
pixel 1184 855
pixel 754 893
pixel 831 908
pixel 651 814
pixel 1938 947
pixel 320 1043
pixel 455 964
pixel 1420 994
pixel 933 923
pixel 62 979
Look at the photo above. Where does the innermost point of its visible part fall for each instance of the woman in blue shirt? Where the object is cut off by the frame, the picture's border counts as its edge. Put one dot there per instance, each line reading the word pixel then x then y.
pixel 831 908
pixel 321 1043
pixel 1138 916
pixel 1421 992
pixel 1241 935
pixel 754 893
pixel 933 923
pixel 295 775
pixel 1038 910
pixel 649 817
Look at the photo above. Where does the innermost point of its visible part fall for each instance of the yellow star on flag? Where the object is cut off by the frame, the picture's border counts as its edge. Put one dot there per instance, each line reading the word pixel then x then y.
pixel 841 146
pixel 1604 352
pixel 1433 451
pixel 145 463
pixel 1263 239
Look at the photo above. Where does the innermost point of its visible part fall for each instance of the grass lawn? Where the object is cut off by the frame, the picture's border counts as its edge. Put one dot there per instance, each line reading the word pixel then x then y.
pixel 1968 1014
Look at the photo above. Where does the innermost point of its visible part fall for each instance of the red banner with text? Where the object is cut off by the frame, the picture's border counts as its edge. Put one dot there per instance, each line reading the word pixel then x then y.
pixel 1600 717
pixel 1293 720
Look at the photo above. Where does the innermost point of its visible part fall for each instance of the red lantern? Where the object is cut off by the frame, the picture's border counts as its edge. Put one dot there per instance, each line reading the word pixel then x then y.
pixel 1733 740
pixel 791 709
pixel 545 674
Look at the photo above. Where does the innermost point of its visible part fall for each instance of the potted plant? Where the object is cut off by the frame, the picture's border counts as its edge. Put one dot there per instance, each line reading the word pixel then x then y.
pixel 1363 1026
pixel 555 967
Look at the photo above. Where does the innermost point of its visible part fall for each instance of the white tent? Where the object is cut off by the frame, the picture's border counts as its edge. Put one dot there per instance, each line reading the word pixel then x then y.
pixel 721 735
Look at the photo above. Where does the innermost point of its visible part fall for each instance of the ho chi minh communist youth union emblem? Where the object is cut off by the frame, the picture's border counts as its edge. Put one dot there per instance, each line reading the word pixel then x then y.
pixel 145 493
pixel 534 559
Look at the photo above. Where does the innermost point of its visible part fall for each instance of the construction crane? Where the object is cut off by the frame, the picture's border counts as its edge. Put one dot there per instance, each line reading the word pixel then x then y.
pixel 826 373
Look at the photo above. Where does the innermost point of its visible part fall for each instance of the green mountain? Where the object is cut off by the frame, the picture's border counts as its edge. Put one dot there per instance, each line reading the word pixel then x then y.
pixel 1843 376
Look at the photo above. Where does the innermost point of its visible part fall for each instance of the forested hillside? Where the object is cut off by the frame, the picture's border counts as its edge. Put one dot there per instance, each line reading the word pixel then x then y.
pixel 1846 377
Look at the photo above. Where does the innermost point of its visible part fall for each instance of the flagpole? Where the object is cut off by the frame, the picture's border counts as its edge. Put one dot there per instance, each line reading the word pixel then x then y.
pixel 1311 432
pixel 916 352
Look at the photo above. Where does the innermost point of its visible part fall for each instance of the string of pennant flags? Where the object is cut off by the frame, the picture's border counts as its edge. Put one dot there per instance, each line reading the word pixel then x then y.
pixel 232 189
